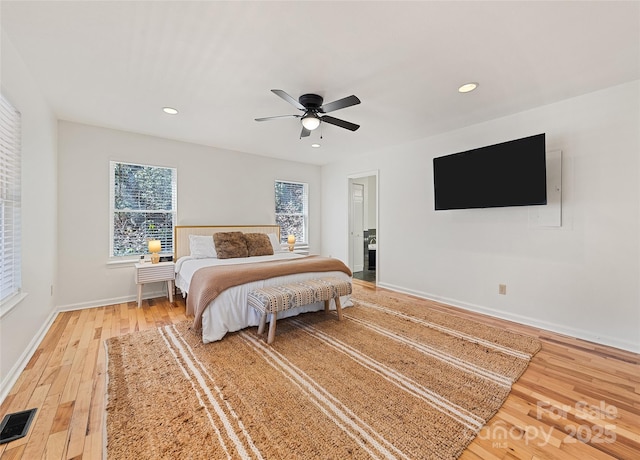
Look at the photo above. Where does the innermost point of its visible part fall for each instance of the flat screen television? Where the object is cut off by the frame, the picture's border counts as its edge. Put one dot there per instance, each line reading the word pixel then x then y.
pixel 508 174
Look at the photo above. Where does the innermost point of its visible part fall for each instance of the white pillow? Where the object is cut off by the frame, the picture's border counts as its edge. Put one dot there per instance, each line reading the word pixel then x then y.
pixel 277 247
pixel 202 247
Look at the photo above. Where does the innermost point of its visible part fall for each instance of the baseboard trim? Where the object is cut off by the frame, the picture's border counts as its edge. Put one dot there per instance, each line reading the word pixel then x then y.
pixel 12 376
pixel 521 319
pixel 111 301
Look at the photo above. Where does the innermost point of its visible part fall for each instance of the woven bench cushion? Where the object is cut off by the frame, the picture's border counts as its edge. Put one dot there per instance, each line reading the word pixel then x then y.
pixel 279 298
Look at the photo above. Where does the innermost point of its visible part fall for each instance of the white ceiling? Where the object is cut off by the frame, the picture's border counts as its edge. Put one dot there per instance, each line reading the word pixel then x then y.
pixel 117 63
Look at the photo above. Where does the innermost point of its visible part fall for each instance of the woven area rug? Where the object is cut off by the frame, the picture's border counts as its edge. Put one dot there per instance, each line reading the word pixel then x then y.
pixel 392 380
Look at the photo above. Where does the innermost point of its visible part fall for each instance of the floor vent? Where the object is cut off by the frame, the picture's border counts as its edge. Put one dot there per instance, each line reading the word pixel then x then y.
pixel 15 426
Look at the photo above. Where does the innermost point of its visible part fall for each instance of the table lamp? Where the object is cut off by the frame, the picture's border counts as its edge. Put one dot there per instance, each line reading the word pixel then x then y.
pixel 291 239
pixel 154 248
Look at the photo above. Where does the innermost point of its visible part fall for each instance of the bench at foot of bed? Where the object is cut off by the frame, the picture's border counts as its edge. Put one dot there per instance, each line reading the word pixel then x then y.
pixel 279 298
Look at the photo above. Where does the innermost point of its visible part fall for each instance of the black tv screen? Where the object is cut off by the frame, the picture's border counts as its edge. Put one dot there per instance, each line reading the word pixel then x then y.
pixel 508 174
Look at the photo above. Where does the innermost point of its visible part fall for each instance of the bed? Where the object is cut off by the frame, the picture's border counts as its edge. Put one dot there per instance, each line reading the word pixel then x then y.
pixel 228 310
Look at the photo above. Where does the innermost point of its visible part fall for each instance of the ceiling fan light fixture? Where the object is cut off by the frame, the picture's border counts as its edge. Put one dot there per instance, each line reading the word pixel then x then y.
pixel 310 121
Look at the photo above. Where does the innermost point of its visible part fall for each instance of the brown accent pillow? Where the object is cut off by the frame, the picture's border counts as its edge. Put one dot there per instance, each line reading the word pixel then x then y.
pixel 230 245
pixel 258 244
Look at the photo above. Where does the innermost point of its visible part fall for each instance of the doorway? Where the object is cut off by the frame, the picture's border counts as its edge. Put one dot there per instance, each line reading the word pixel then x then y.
pixel 363 226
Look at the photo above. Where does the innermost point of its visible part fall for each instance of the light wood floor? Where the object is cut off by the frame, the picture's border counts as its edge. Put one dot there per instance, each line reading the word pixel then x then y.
pixel 573 391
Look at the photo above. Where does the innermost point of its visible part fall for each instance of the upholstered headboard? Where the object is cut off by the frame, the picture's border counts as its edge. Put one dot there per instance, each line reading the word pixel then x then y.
pixel 182 232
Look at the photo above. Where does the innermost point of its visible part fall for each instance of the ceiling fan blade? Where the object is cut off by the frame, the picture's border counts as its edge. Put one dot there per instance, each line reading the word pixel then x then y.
pixel 341 123
pixel 289 99
pixel 304 133
pixel 339 104
pixel 276 117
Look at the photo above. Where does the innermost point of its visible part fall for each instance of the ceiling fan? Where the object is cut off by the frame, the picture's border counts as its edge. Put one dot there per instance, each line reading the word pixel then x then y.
pixel 312 108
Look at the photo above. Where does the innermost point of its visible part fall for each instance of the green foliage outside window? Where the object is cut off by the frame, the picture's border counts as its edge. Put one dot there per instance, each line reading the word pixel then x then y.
pixel 291 210
pixel 144 199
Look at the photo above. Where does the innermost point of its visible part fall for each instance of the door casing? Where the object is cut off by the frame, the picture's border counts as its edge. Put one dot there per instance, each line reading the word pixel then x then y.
pixel 354 178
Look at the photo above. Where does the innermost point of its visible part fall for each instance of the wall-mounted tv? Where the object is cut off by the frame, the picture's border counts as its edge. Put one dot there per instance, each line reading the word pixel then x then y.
pixel 508 174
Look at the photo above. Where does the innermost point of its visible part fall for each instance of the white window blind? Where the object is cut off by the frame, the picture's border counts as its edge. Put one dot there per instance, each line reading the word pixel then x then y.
pixel 10 200
pixel 143 207
pixel 292 204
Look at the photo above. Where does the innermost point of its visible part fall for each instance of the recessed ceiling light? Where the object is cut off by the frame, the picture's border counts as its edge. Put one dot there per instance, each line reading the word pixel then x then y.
pixel 170 110
pixel 468 87
pixel 315 146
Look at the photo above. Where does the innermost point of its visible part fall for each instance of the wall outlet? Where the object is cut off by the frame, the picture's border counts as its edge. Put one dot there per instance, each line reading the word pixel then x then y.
pixel 502 289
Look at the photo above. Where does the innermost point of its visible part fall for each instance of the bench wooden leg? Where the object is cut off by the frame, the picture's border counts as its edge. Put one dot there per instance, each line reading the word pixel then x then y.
pixel 263 322
pixel 338 308
pixel 272 328
pixel 327 304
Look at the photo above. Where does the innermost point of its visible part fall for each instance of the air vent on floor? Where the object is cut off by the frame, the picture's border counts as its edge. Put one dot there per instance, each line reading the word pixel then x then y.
pixel 15 426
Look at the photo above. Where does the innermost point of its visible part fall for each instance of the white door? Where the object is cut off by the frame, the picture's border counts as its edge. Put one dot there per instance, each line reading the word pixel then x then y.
pixel 357 227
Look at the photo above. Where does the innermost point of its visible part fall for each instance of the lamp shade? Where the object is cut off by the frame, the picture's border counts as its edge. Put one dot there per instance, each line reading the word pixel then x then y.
pixel 291 239
pixel 155 246
pixel 310 121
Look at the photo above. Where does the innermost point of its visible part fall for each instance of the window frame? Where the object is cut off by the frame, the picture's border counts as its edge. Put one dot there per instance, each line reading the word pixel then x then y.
pixel 112 210
pixel 10 203
pixel 304 241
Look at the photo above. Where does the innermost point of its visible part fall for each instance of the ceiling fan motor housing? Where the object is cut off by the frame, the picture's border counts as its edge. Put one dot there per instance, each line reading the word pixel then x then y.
pixel 311 101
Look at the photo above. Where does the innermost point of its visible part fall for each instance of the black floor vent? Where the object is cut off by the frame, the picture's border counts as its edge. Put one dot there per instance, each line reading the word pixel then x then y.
pixel 15 426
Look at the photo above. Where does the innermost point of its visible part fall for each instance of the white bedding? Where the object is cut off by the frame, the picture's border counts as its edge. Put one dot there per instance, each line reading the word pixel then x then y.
pixel 229 311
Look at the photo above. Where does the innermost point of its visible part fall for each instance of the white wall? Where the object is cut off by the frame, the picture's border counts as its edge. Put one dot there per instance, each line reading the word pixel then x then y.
pixel 581 279
pixel 215 187
pixel 23 326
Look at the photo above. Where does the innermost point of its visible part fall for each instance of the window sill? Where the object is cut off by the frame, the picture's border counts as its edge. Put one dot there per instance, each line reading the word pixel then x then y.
pixel 122 263
pixel 11 303
pixel 119 262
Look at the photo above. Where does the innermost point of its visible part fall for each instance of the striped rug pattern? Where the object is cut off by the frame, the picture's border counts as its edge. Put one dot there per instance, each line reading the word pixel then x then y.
pixel 390 381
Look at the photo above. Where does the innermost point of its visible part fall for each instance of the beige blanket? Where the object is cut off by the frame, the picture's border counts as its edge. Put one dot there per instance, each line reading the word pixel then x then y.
pixel 207 283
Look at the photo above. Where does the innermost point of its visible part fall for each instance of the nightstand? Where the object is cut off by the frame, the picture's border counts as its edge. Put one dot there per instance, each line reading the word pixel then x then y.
pixel 153 273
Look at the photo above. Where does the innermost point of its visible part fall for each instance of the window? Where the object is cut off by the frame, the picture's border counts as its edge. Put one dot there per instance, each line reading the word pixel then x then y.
pixel 292 203
pixel 143 207
pixel 10 200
